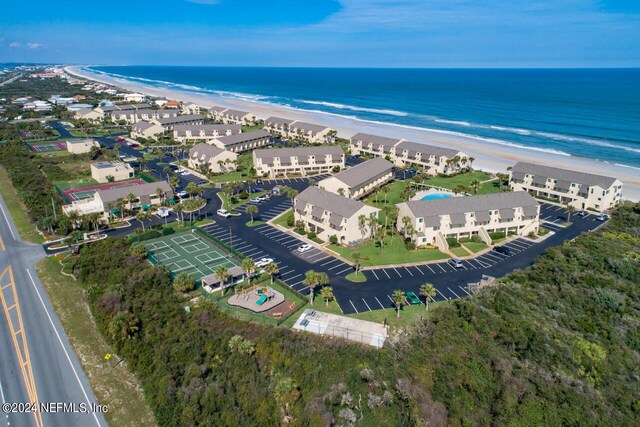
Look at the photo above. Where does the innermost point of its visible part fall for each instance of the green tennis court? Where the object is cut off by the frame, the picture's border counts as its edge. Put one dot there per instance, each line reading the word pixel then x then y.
pixel 189 252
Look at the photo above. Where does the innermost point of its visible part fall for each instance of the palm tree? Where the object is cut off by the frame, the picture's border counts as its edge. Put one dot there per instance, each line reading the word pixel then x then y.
pixel 292 193
pixel 250 183
pixel 356 261
pixel 475 185
pixel 141 216
pixel 313 279
pixel 192 189
pixel 327 294
pixel 312 182
pixel 116 149
pixel 131 198
pixel 174 182
pixel 471 160
pixel 160 194
pixel 398 300
pixel 252 210
pixel 178 210
pixel 222 273
pixel 428 292
pixel 570 209
pixel 249 267
pixel 406 221
pixel 120 204
pixel 271 269
pixel 458 189
pixel 362 225
pixel 166 171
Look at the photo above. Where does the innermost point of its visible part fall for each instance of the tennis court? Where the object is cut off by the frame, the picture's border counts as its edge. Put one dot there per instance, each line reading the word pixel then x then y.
pixel 82 193
pixel 48 146
pixel 189 252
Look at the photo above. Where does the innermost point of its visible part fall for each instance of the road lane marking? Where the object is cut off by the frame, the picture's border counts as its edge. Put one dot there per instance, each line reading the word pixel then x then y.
pixel 354 307
pixel 8 223
pixel 66 353
pixel 379 302
pixel 365 303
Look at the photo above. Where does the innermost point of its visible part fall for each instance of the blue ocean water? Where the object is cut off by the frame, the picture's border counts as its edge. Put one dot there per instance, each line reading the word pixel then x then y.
pixel 593 113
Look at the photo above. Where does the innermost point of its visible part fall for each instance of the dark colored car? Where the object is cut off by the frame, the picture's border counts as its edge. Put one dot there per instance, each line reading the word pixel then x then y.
pixel 502 250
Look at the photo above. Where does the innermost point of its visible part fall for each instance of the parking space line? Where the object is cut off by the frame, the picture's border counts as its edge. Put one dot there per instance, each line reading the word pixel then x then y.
pixel 441 268
pixel 385 272
pixel 453 292
pixel 240 248
pixel 409 271
pixel 251 253
pixel 354 307
pixel 374 273
pixel 376 298
pixel 464 290
pixel 293 277
pixel 336 266
pixel 323 258
pixel 391 299
pixel 470 265
pixel 394 269
pixel 440 293
pixel 427 265
pixel 330 262
pixel 416 267
pixel 287 273
pixel 365 303
pixel 346 269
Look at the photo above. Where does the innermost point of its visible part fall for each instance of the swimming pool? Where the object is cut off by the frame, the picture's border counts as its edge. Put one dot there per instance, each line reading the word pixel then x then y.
pixel 436 196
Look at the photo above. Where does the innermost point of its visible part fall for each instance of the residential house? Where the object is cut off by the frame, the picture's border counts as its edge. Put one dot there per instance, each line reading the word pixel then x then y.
pixel 190 108
pixel 357 181
pixel 111 171
pixel 241 142
pixel 134 97
pixel 81 146
pixel 217 159
pixel 146 130
pixel 204 133
pixel 87 114
pixel 578 189
pixel 431 222
pixel 298 161
pixel 328 214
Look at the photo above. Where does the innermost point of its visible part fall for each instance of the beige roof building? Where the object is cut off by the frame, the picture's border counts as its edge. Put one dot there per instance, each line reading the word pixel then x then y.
pixel 244 141
pixel 204 133
pixel 357 181
pixel 329 214
pixel 278 125
pixel 81 146
pixel 315 134
pixel 433 221
pixel 578 189
pixel 298 160
pixel 87 114
pixel 431 158
pixel 169 123
pixel 217 159
pixel 236 116
pixel 146 130
pixel 111 171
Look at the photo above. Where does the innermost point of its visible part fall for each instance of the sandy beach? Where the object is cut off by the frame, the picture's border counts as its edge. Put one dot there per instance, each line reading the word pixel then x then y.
pixel 493 156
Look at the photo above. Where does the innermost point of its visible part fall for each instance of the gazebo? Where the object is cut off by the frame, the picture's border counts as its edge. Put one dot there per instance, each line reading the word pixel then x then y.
pixel 212 283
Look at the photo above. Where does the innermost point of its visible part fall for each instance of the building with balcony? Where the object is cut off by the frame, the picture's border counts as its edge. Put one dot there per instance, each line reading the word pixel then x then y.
pixel 358 181
pixel 301 161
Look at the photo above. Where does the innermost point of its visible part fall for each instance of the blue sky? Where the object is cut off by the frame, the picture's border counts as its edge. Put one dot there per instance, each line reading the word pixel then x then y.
pixel 367 33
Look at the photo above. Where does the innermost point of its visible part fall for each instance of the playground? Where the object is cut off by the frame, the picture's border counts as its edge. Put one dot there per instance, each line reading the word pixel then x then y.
pixel 48 146
pixel 189 252
pixel 257 298
pixel 82 193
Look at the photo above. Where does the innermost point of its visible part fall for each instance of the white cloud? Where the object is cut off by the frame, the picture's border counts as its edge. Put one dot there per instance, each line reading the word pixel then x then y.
pixel 27 45
pixel 32 45
pixel 15 44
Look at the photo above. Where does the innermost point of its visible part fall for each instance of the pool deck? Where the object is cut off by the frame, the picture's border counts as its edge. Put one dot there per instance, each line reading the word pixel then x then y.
pixel 433 192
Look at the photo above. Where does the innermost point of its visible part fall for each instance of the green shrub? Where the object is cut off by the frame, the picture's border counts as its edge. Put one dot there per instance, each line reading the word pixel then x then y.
pixel 497 235
pixel 464 240
pixel 167 231
pixel 453 242
pixel 409 245
pixel 311 235
pixel 476 238
pixel 333 239
pixel 291 221
pixel 145 235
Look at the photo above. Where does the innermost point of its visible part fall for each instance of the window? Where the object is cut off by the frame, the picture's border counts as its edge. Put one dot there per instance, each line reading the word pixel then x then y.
pixel 421 220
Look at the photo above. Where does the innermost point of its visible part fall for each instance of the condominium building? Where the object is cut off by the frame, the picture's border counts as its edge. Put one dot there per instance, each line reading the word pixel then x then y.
pixel 328 214
pixel 241 142
pixel 190 108
pixel 134 97
pixel 431 222
pixel 432 159
pixel 216 159
pixel 357 181
pixel 138 115
pixel 315 134
pixel 146 130
pixel 105 202
pixel 578 189
pixel 87 114
pixel 277 125
pixel 81 146
pixel 236 116
pixel 204 133
pixel 169 123
pixel 111 171
pixel 298 160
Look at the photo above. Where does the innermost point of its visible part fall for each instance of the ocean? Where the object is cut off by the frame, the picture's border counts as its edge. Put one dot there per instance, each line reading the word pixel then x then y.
pixel 592 113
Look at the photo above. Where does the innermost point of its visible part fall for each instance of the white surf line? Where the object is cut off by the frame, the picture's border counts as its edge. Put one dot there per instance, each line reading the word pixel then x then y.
pixel 8 223
pixel 86 396
pixel 376 298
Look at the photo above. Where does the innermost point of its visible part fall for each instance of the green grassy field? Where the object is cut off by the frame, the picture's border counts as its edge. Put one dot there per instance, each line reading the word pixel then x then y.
pixel 459 252
pixel 75 183
pixel 475 247
pixel 465 179
pixel 282 219
pixel 394 253
pixel 111 381
pixel 26 228
pixel 409 314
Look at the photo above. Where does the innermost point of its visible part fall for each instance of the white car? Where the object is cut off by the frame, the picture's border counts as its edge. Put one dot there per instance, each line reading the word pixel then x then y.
pixel 263 262
pixel 182 194
pixel 304 248
pixel 223 213
pixel 162 212
pixel 257 199
pixel 185 173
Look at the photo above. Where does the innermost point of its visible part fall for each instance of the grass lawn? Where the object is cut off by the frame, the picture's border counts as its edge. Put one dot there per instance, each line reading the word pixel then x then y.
pixel 319 304
pixel 464 179
pixel 112 382
pixel 282 219
pixel 26 229
pixel 76 183
pixel 475 247
pixel 459 251
pixel 409 314
pixel 394 195
pixel 54 154
pixel 255 223
pixel 394 253
pixel 359 278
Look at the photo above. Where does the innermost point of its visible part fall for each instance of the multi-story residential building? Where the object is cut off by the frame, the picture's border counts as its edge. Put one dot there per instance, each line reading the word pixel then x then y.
pixel 111 171
pixel 169 123
pixel 237 116
pixel 87 114
pixel 216 159
pixel 432 159
pixel 204 133
pixel 105 202
pixel 328 214
pixel 139 115
pixel 146 130
pixel 190 108
pixel 241 142
pixel 315 134
pixel 431 222
pixel 277 125
pixel 298 160
pixel 215 112
pixel 81 146
pixel 578 189
pixel 357 181
pixel 134 97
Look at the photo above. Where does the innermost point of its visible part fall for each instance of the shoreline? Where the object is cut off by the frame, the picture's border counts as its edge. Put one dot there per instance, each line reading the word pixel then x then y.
pixel 490 155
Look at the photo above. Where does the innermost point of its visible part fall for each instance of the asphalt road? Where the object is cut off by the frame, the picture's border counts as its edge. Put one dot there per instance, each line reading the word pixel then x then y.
pixel 52 364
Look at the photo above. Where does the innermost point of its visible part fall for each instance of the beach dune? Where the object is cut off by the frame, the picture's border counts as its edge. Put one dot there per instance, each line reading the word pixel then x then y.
pixel 492 156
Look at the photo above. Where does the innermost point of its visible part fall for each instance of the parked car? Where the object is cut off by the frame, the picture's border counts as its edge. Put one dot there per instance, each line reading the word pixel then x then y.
pixel 582 213
pixel 202 182
pixel 412 298
pixel 257 190
pixel 602 217
pixel 257 199
pixel 185 173
pixel 223 213
pixel 502 250
pixel 263 262
pixel 259 181
pixel 304 248
pixel 163 212
pixel 455 263
pixel 182 194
